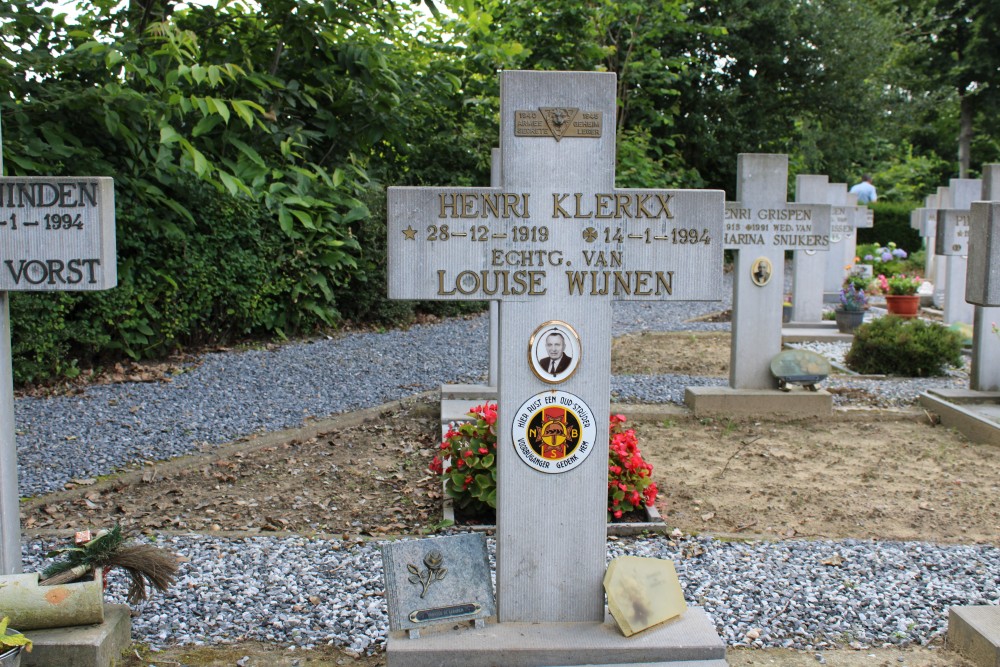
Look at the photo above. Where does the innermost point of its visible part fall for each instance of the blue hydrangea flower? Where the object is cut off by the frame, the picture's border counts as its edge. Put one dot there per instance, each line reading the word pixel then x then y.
pixel 886 256
pixel 899 253
pixel 868 258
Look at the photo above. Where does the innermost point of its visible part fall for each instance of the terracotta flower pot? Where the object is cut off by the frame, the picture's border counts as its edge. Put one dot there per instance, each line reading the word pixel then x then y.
pixel 904 305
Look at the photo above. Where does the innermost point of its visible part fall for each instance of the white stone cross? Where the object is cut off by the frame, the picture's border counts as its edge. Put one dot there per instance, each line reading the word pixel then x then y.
pixel 846 218
pixel 924 220
pixel 952 243
pixel 809 266
pixel 56 234
pixel 556 243
pixel 760 226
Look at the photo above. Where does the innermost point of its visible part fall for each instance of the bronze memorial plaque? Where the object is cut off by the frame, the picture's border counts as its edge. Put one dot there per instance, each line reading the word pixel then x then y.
pixel 558 122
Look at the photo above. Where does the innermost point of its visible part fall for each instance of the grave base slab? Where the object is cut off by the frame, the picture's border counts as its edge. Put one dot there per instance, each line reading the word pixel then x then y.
pixel 975 413
pixel 99 645
pixel 458 399
pixel 974 632
pixel 809 332
pixel 688 641
pixel 797 402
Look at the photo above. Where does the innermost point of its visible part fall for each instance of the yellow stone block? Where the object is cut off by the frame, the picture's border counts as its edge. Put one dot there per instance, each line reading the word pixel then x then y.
pixel 643 592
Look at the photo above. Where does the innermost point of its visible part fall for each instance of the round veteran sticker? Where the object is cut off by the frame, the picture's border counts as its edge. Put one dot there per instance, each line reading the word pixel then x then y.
pixel 553 431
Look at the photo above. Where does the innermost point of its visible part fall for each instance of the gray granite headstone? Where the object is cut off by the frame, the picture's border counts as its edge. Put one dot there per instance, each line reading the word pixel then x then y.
pixel 555 243
pixel 951 242
pixel 809 266
pixel 983 283
pixel 437 580
pixel 845 220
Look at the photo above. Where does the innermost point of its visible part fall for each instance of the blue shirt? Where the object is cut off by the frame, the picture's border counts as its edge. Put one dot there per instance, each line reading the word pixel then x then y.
pixel 865 192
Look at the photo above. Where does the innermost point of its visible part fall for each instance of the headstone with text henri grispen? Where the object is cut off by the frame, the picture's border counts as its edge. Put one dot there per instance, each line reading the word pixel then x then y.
pixel 760 227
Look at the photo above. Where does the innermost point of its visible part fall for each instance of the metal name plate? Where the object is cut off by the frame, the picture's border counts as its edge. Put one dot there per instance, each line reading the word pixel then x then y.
pixel 558 122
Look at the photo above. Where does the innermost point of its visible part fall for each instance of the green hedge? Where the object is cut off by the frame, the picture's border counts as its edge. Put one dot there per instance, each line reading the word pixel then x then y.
pixel 180 283
pixel 229 275
pixel 892 223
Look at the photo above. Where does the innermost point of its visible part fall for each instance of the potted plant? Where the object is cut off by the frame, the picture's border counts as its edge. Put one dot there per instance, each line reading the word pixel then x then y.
pixel 900 292
pixel 12 643
pixel 853 304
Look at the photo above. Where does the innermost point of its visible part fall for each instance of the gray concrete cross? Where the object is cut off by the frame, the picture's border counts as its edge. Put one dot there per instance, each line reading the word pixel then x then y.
pixel 760 226
pixel 555 244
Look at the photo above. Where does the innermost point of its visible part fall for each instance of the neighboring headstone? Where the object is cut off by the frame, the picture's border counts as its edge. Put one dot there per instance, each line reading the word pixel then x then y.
pixel 555 244
pixel 952 243
pixel 437 580
pixel 846 219
pixel 924 220
pixel 56 234
pixel 809 265
pixel 643 592
pixel 939 276
pixel 983 283
pixel 760 226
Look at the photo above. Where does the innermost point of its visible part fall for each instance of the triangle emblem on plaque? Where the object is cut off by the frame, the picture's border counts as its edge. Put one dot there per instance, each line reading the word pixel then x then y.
pixel 558 119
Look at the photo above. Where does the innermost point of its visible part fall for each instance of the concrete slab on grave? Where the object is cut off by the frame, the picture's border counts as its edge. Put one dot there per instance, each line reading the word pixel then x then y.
pixel 458 399
pixel 823 325
pixel 653 523
pixel 797 402
pixel 974 633
pixel 688 640
pixel 99 645
pixel 793 334
pixel 975 413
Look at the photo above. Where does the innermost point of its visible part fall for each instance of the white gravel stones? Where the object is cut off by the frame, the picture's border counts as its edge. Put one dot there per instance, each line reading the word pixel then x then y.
pixel 304 592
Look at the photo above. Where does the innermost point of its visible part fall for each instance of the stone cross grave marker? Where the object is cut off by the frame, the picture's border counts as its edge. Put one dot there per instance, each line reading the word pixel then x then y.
pixel 760 226
pixel 56 234
pixel 983 283
pixel 809 266
pixel 924 220
pixel 939 277
pixel 952 243
pixel 556 243
pixel 846 218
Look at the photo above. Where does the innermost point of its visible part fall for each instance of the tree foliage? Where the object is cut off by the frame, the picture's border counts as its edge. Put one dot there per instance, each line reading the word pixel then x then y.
pixel 251 142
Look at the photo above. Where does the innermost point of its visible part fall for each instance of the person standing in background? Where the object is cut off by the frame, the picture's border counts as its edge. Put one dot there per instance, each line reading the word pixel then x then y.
pixel 865 190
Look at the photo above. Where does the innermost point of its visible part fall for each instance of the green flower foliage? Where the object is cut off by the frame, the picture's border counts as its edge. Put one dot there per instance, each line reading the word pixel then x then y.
pixel 893 345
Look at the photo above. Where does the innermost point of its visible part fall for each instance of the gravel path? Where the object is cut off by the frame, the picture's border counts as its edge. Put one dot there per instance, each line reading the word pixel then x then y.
pixel 314 591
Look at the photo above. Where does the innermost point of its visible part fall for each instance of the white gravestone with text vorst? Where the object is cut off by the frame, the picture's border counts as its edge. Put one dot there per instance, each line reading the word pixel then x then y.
pixel 760 226
pixel 952 243
pixel 56 234
pixel 983 283
pixel 555 243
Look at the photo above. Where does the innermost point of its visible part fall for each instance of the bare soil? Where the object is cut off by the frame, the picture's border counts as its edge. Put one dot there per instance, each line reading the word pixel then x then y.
pixel 861 474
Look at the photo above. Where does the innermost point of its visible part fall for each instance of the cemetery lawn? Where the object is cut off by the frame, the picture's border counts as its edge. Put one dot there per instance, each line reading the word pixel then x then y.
pixel 864 473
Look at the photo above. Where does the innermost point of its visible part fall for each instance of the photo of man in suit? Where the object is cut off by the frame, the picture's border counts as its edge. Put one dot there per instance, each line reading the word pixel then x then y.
pixel 556 360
